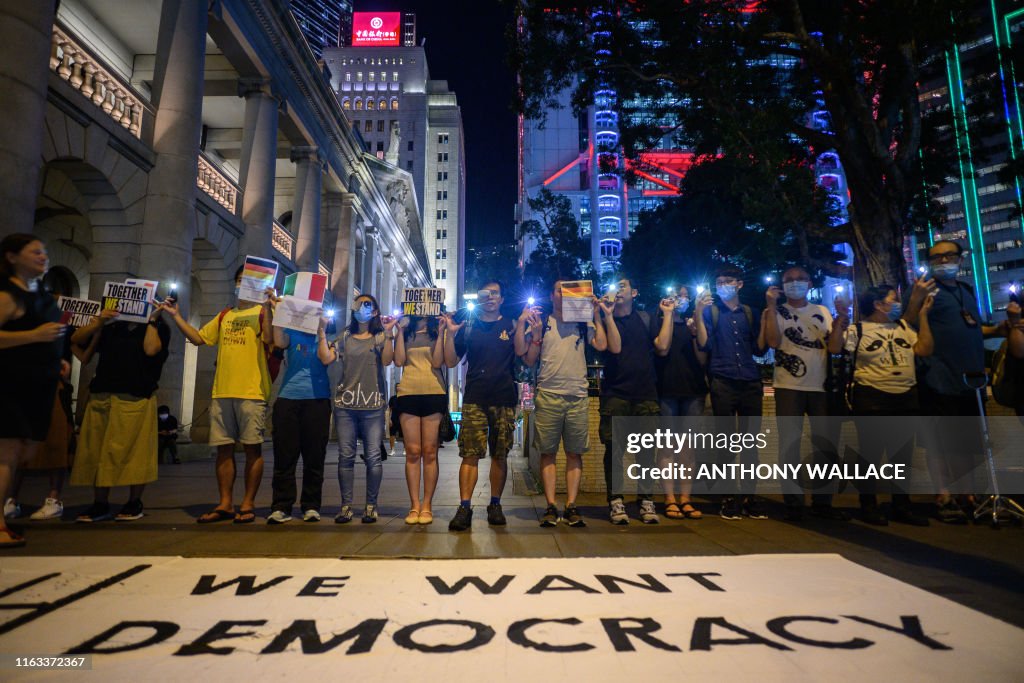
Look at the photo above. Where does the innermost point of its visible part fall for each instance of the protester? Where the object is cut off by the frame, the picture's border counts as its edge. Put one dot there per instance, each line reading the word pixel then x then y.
pixel 118 441
pixel 883 347
pixel 301 421
pixel 954 449
pixel 682 392
pixel 167 432
pixel 803 335
pixel 560 413
pixel 364 350
pixel 30 355
pixel 488 402
pixel 729 331
pixel 422 402
pixel 630 387
pixel 241 389
pixel 1015 357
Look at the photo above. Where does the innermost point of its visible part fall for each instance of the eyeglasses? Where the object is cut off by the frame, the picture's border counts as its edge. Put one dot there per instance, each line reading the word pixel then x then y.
pixel 944 257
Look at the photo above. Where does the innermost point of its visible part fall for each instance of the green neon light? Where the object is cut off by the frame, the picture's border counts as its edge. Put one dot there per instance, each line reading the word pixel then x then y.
pixel 972 216
pixel 1016 95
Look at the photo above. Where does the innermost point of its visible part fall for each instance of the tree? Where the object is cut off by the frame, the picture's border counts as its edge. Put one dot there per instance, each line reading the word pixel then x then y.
pixel 560 251
pixel 760 90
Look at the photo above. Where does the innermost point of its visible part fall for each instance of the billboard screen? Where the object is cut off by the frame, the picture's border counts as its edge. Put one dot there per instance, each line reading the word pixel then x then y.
pixel 376 29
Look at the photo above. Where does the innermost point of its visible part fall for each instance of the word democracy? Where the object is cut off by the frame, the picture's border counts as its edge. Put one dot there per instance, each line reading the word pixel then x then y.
pixel 666 439
pixel 764 472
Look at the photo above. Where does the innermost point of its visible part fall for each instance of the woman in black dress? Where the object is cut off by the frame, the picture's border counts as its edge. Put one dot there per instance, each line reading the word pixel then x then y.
pixel 30 354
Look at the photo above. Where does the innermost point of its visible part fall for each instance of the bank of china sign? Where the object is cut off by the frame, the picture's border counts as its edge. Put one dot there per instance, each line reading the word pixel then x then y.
pixel 377 29
pixel 768 617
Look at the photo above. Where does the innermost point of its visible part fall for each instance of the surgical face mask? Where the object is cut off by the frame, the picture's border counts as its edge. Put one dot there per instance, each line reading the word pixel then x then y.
pixel 682 304
pixel 237 289
pixel 895 312
pixel 946 271
pixel 364 313
pixel 726 292
pixel 796 289
pixel 163 415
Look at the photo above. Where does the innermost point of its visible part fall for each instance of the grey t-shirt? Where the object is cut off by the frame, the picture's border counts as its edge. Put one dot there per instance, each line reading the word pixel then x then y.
pixel 362 376
pixel 563 359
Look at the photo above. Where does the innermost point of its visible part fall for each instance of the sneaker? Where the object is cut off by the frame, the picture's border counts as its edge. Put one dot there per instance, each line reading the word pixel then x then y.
pixel 550 517
pixel 617 512
pixel 311 515
pixel 344 515
pixel 97 512
pixel 573 517
pixel 753 509
pixel 950 513
pixel 369 514
pixel 11 509
pixel 462 520
pixel 131 510
pixel 495 516
pixel 647 512
pixel 52 509
pixel 907 516
pixel 830 513
pixel 730 509
pixel 279 517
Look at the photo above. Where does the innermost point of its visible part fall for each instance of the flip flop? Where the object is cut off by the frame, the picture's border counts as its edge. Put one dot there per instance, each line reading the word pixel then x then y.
pixel 691 512
pixel 245 517
pixel 9 539
pixel 672 511
pixel 215 515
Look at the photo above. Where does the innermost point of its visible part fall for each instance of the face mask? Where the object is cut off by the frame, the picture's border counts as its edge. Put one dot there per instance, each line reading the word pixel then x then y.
pixel 237 289
pixel 682 305
pixel 796 289
pixel 895 312
pixel 946 271
pixel 163 416
pixel 726 292
pixel 364 313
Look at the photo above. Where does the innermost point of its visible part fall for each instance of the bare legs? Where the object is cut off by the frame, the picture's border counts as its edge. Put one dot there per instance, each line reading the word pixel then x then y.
pixel 420 434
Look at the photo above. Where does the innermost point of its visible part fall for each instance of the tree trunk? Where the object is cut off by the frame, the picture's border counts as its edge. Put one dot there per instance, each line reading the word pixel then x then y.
pixel 877 245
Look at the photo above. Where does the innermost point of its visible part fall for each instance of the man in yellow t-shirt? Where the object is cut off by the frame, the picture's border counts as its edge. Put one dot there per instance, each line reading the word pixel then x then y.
pixel 241 388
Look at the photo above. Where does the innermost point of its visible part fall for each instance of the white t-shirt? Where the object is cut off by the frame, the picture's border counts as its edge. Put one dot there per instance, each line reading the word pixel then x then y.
pixel 885 357
pixel 800 360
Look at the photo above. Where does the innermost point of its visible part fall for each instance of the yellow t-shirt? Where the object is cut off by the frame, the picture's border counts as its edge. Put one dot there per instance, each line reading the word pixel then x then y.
pixel 241 360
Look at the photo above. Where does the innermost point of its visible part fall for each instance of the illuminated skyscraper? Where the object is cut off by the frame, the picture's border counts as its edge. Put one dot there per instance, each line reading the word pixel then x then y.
pixel 323 21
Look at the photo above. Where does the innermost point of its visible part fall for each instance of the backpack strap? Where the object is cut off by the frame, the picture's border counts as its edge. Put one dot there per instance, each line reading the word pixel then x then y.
pixel 716 314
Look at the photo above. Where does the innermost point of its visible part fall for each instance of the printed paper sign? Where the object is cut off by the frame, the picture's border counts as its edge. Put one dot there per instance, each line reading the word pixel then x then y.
pixel 81 311
pixel 577 296
pixel 257 274
pixel 422 301
pixel 150 286
pixel 309 286
pixel 131 302
pixel 294 313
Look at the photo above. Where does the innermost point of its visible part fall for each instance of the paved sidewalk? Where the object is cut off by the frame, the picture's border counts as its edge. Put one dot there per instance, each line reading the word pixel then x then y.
pixel 972 565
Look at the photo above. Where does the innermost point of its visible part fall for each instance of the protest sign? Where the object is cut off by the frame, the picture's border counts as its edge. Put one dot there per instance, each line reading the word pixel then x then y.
pixel 257 274
pixel 301 306
pixel 150 286
pixel 422 301
pixel 577 296
pixel 131 302
pixel 81 311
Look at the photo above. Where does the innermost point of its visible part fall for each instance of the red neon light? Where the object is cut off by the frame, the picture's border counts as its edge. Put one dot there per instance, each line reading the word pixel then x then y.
pixel 660 193
pixel 376 29
pixel 656 180
pixel 568 166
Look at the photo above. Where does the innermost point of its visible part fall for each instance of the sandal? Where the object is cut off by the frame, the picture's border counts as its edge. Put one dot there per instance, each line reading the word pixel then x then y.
pixel 245 517
pixel 413 517
pixel 672 511
pixel 426 517
pixel 691 512
pixel 10 539
pixel 215 515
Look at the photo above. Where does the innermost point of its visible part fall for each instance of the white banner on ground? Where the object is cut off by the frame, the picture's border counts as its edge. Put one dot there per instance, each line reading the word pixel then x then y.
pixel 754 617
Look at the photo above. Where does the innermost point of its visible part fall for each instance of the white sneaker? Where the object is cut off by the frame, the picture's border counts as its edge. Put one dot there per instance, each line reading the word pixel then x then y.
pixel 647 512
pixel 51 509
pixel 311 516
pixel 11 509
pixel 278 517
pixel 617 512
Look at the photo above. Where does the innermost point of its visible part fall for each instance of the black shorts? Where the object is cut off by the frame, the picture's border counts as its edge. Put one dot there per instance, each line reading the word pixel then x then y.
pixel 421 405
pixel 26 408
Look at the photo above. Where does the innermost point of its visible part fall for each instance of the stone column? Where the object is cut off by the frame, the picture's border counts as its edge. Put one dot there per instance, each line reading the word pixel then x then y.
pixel 388 298
pixel 169 223
pixel 26 29
pixel 306 207
pixel 339 220
pixel 368 278
pixel 258 163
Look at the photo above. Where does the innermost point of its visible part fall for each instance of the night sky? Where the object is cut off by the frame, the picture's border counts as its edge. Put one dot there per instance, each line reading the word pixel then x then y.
pixel 466 47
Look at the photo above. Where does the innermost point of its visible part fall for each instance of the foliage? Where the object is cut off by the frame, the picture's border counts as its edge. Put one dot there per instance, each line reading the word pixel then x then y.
pixel 560 251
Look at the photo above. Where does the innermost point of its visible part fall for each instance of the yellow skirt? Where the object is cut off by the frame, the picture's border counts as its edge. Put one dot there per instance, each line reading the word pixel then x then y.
pixel 117 445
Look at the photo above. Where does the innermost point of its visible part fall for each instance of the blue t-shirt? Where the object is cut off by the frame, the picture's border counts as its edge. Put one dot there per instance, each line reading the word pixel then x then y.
pixel 733 343
pixel 959 348
pixel 305 376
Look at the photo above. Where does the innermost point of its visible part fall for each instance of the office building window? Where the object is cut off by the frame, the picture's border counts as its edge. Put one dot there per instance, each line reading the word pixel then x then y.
pixel 442 139
pixel 368 126
pixel 444 195
pixel 348 76
pixel 383 76
pixel 409 146
pixel 394 75
pixel 382 105
pixel 346 104
pixel 380 146
pixel 444 214
pixel 371 104
pixel 394 104
pixel 439 214
pixel 380 126
pixel 408 165
pixel 359 104
pixel 371 77
pixel 444 254
pixel 437 254
pixel 359 77
pixel 444 273
pixel 444 233
pixel 439 195
pixel 445 176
